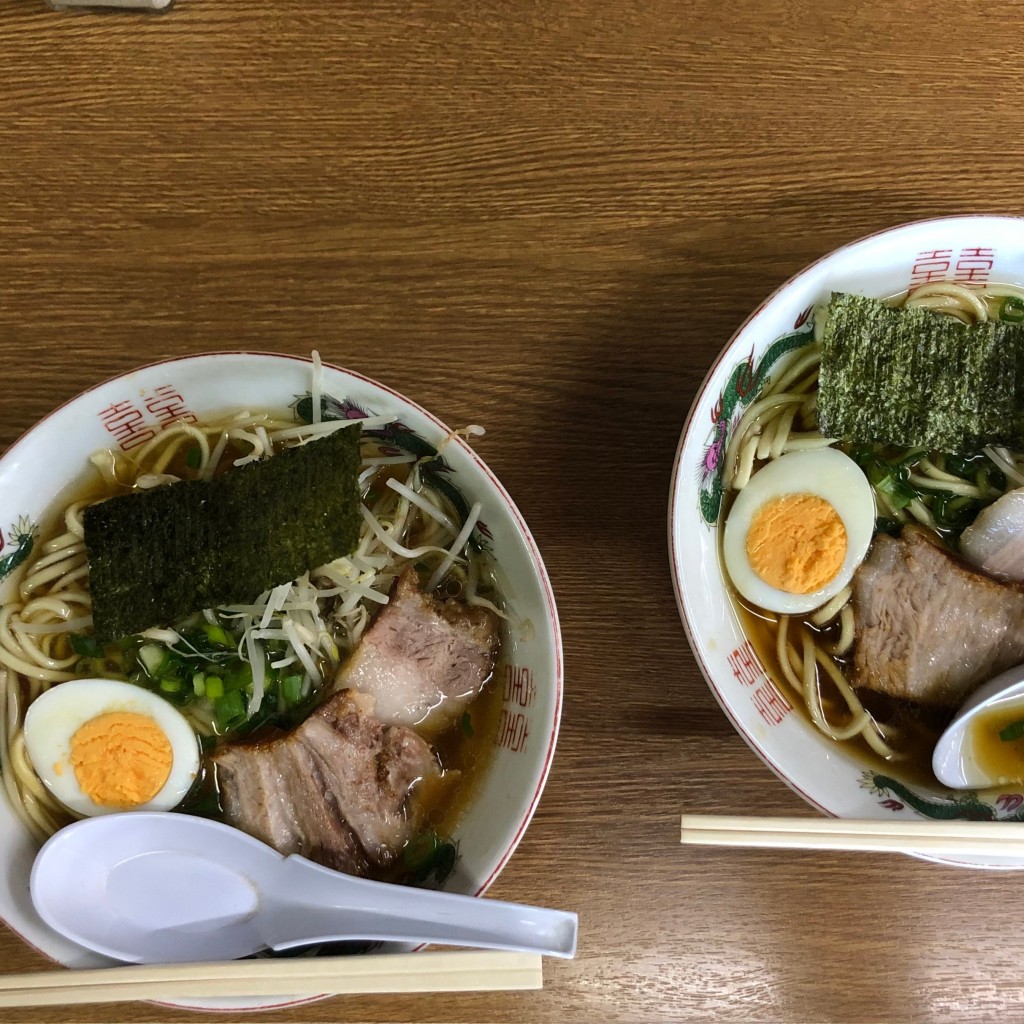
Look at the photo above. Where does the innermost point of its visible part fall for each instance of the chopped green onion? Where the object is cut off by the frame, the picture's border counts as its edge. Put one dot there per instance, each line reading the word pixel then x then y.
pixel 170 685
pixel 883 524
pixel 1012 309
pixel 86 646
pixel 1014 731
pixel 230 710
pixel 154 659
pixel 899 493
pixel 238 677
pixel 291 689
pixel 194 458
pixel 960 466
pixel 429 856
pixel 214 687
pixel 218 635
pixel 199 684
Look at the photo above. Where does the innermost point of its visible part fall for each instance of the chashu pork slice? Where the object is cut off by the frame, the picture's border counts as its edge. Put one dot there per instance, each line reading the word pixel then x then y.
pixel 276 792
pixel 371 769
pixel 930 628
pixel 423 660
pixel 341 789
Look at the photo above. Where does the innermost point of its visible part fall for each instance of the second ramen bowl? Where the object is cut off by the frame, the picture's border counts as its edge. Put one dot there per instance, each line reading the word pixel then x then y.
pixel 835 778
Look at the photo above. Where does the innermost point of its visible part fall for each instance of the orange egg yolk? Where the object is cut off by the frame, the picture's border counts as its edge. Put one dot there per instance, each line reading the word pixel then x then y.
pixel 121 759
pixel 796 543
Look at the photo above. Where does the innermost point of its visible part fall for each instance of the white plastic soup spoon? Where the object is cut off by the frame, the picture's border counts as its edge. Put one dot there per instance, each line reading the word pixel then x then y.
pixel 150 887
pixel 953 761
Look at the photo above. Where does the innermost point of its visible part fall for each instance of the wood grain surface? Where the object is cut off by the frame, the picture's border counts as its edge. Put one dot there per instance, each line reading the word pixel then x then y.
pixel 546 218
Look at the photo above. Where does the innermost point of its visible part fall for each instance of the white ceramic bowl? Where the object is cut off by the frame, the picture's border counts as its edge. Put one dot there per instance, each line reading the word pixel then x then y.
pixel 128 409
pixel 828 776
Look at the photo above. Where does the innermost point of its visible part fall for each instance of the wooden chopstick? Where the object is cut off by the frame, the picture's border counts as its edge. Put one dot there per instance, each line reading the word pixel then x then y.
pixel 456 971
pixel 965 838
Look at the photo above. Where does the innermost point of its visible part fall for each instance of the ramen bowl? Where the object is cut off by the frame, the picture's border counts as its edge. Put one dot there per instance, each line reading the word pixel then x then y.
pixel 836 778
pixel 39 471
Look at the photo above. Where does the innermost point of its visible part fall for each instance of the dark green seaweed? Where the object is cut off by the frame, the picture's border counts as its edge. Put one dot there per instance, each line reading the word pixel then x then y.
pixel 915 378
pixel 156 556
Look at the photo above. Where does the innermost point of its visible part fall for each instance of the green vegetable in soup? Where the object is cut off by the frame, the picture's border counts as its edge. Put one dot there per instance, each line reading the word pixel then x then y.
pixel 428 857
pixel 895 475
pixel 211 678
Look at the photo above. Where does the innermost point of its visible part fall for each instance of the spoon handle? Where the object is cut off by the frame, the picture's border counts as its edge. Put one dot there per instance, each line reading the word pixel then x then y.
pixel 325 906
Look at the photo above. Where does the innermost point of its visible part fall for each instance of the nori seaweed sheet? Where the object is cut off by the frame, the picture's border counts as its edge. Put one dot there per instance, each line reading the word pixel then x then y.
pixel 157 556
pixel 919 379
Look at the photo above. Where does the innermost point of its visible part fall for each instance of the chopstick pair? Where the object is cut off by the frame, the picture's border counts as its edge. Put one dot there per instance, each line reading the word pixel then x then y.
pixel 458 971
pixel 952 838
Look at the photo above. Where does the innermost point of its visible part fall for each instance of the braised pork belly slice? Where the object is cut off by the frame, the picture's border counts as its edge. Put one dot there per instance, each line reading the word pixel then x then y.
pixel 930 628
pixel 371 768
pixel 276 793
pixel 342 789
pixel 423 660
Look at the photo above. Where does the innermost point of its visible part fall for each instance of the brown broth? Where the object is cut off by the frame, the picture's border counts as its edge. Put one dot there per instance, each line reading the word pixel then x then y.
pixel 1001 760
pixel 912 730
pixel 468 754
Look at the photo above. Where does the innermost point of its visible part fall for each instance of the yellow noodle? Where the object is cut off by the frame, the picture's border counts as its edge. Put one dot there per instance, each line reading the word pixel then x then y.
pixel 950 307
pixel 928 468
pixel 752 420
pixel 827 612
pixel 62 572
pixel 846 632
pixel 948 486
pixel 785 655
pixel 170 434
pixel 804 387
pixel 954 299
pixel 746 464
pixel 861 722
pixel 811 357
pixel 802 442
pixel 52 557
pixel 782 432
pixel 1006 462
pixel 172 449
pixel 812 696
pixel 767 438
pixel 920 512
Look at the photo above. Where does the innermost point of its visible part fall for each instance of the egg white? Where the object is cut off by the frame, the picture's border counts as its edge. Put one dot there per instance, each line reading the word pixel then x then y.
pixel 825 473
pixel 55 716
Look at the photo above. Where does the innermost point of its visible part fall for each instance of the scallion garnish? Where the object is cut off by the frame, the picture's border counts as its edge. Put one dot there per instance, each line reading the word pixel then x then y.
pixel 1013 731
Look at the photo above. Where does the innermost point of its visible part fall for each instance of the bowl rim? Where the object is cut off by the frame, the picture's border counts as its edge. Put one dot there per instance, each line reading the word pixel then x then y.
pixel 535 558
pixel 676 483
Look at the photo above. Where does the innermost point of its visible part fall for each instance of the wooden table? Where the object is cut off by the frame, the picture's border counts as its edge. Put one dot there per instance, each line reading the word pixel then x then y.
pixel 545 218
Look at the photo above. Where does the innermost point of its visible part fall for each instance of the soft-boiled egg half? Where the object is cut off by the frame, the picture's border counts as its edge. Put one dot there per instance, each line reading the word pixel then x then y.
pixel 798 530
pixel 100 746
